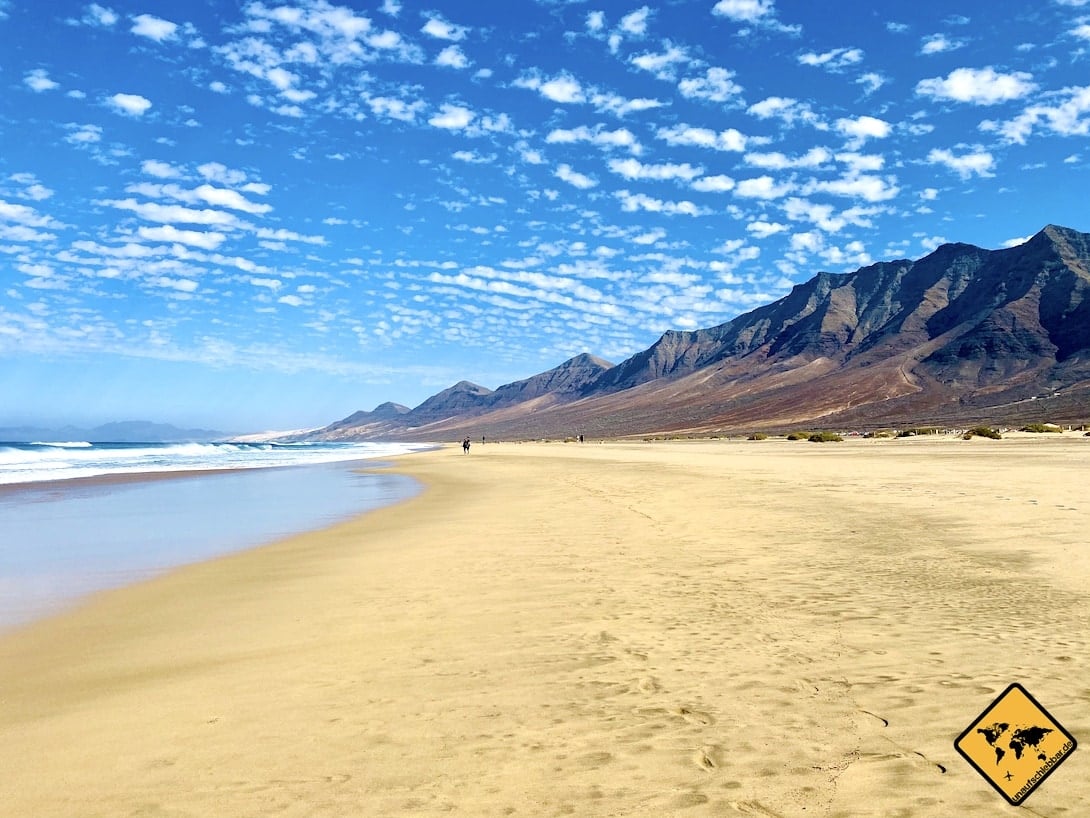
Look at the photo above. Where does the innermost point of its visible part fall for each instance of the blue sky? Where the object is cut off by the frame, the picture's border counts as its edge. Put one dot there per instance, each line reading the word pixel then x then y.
pixel 257 215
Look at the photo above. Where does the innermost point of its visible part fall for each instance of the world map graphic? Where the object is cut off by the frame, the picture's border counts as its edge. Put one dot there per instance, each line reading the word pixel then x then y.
pixel 1019 739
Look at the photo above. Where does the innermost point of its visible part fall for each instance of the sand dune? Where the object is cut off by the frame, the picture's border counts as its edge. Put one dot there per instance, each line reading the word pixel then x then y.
pixel 624 629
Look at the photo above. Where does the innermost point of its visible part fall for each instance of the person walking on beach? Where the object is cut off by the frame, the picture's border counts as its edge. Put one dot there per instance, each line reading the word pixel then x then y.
pixel 465 446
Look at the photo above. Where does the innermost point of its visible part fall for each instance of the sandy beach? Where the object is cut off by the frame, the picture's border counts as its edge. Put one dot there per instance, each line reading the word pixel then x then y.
pixel 765 628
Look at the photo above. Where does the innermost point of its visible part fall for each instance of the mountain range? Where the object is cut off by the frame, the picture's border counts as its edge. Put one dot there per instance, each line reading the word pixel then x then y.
pixel 126 431
pixel 961 336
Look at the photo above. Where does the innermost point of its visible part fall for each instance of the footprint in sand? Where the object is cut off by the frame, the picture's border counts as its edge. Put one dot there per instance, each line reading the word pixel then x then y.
pixel 695 716
pixel 706 758
pixel 754 808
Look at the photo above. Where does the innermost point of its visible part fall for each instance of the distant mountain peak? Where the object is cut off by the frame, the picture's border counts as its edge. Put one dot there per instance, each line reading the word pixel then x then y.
pixel 958 332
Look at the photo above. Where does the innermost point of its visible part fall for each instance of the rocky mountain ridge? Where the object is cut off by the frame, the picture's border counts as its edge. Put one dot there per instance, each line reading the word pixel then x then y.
pixel 962 333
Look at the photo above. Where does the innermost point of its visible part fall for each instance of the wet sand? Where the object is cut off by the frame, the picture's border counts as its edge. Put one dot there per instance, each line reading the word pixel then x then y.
pixel 764 628
pixel 63 539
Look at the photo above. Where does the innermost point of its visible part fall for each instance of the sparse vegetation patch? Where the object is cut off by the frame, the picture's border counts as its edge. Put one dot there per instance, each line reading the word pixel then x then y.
pixel 982 431
pixel 825 437
pixel 758 436
pixel 1041 428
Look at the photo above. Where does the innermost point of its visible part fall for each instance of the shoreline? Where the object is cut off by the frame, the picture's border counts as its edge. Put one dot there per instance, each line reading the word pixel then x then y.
pixel 66 539
pixel 698 628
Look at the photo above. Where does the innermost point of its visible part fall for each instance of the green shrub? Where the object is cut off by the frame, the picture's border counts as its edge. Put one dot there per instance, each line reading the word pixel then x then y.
pixel 758 436
pixel 982 431
pixel 825 437
pixel 799 436
pixel 1040 428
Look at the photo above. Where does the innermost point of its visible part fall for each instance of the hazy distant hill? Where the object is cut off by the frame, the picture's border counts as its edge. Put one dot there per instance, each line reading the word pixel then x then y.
pixel 962 334
pixel 130 431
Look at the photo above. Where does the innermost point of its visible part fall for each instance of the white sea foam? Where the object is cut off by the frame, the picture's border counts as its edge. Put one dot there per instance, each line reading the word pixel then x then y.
pixel 36 462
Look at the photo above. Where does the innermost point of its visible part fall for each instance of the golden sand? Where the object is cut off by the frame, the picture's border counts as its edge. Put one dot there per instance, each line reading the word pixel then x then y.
pixel 625 629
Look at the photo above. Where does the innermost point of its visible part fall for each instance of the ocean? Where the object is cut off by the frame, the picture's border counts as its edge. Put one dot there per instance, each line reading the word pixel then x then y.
pixel 63 460
pixel 157 506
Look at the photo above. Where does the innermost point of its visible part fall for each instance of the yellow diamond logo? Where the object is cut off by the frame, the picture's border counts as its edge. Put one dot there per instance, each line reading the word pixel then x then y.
pixel 1015 744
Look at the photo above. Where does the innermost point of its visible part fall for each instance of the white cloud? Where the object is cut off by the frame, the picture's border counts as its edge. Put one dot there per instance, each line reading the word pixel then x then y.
pixel 835 60
pixel 220 173
pixel 599 136
pixel 744 11
pixel 391 7
pixel 130 104
pixel 160 170
pixel 337 26
pixel 713 184
pixel 663 65
pixel 861 162
pixel 871 82
pixel 1069 116
pixel 939 43
pixel 33 189
pixel 397 109
pixel 813 158
pixel 860 129
pixel 596 21
pixel 221 197
pixel 863 186
pixel 650 237
pixel 83 134
pixel 983 86
pixel 1015 242
pixel 388 41
pixel 185 285
pixel 97 15
pixel 154 28
pixel 565 173
pixel 452 117
pixel 291 300
pixel 620 106
pixel 807 242
pixel 763 187
pixel 728 140
pixel 442 29
pixel 979 162
pixel 452 57
pixel 195 238
pixel 38 80
pixel 473 158
pixel 762 229
pixel 632 202
pixel 25 216
pixel 717 85
pixel 786 109
pixel 633 169
pixel 1082 31
pixel 564 88
pixel 171 214
pixel 636 22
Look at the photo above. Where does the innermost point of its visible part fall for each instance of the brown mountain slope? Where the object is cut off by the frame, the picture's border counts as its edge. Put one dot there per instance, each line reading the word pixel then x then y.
pixel 962 334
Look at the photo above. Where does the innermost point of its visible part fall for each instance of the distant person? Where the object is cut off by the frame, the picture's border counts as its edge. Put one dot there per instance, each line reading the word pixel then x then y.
pixel 465 446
